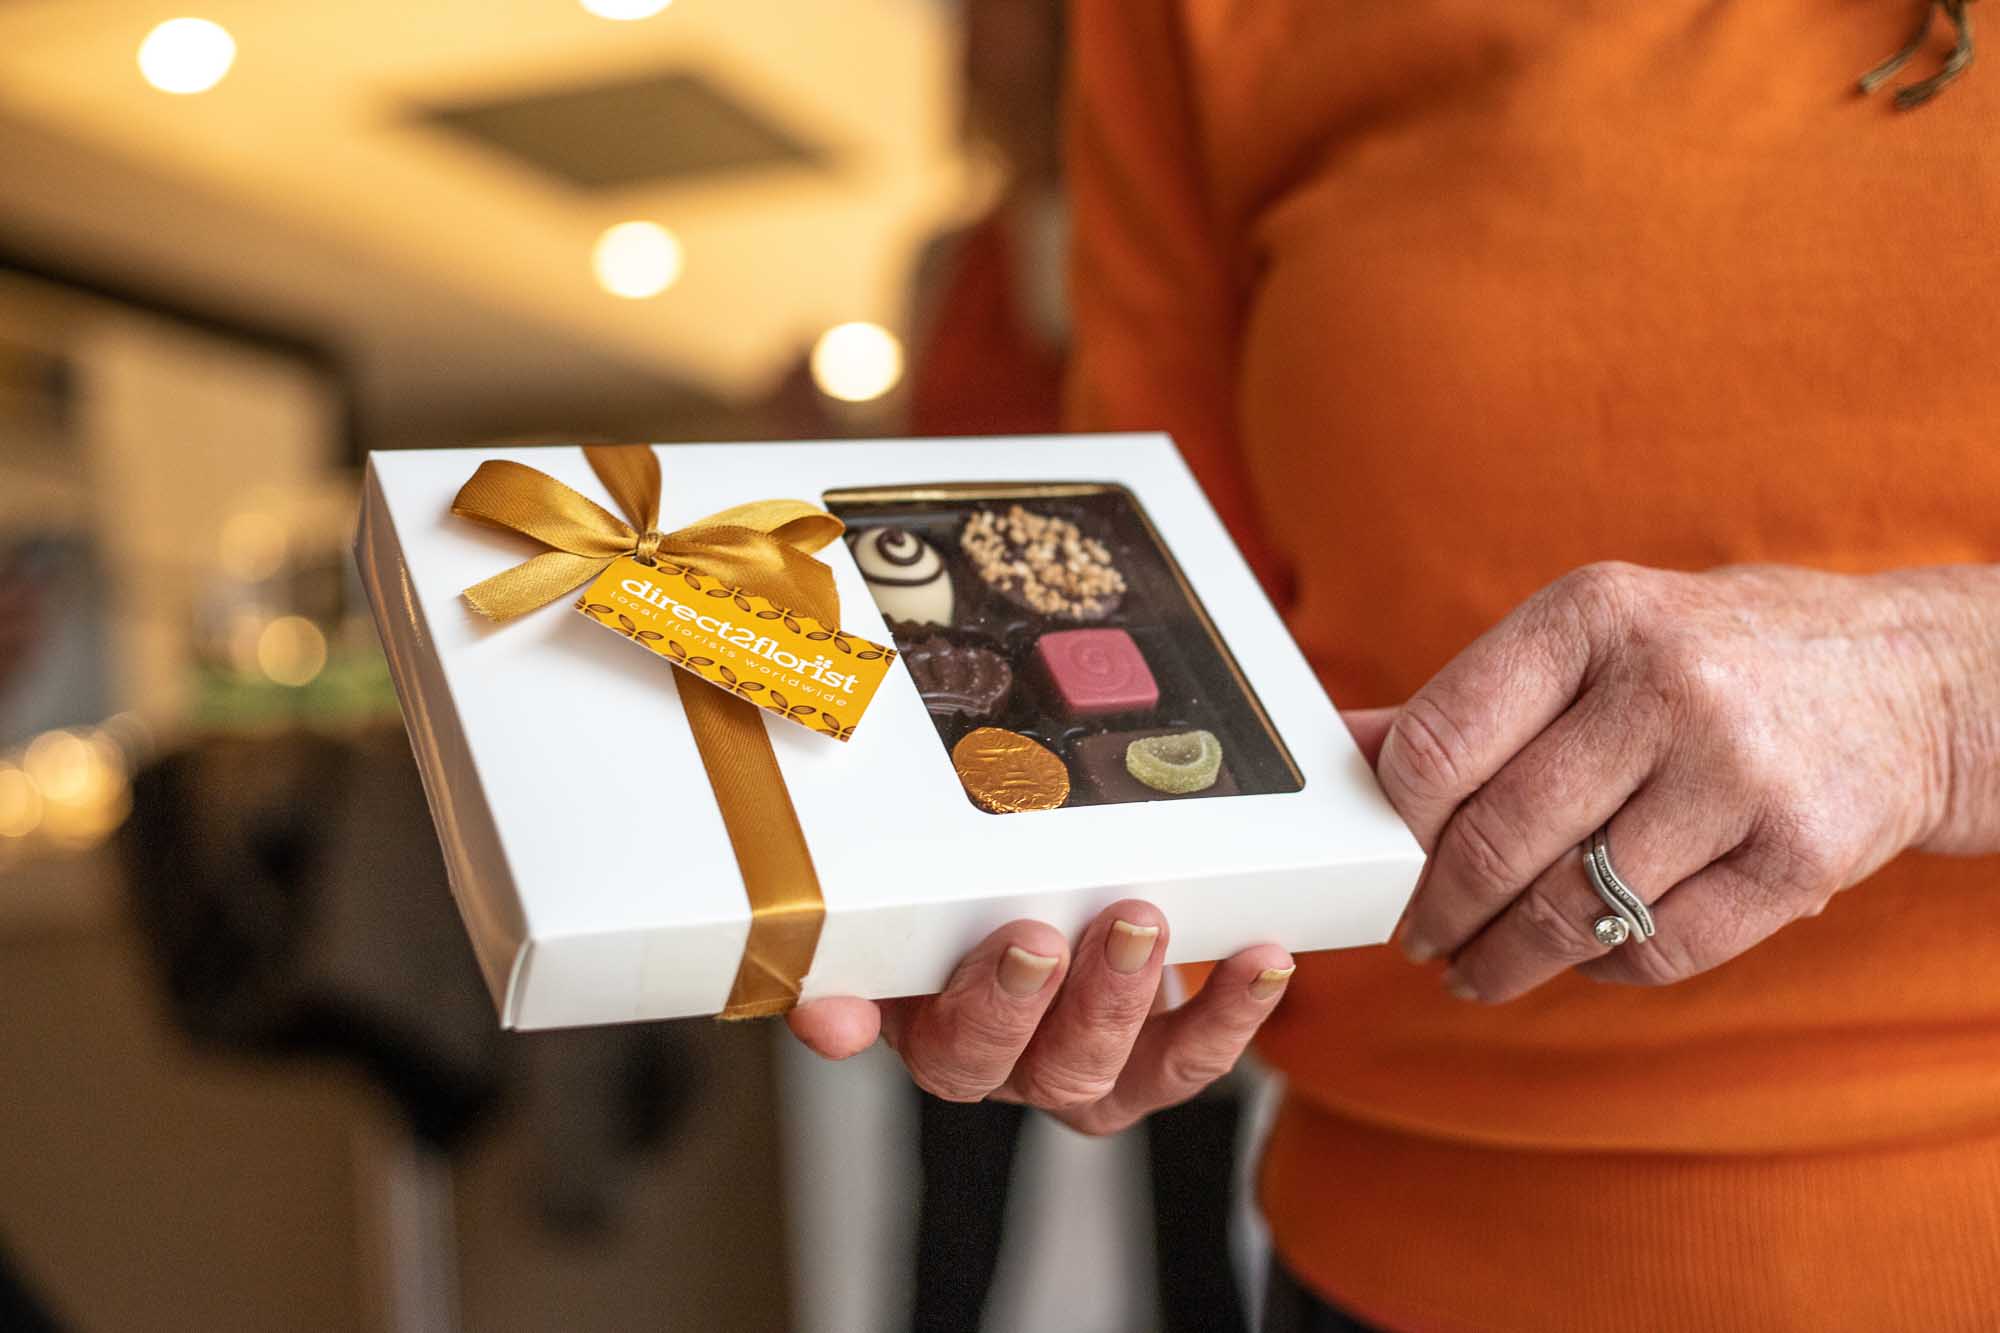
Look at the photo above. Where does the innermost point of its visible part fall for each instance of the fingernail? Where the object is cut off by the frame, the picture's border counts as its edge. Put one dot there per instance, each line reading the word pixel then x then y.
pixel 1456 985
pixel 1022 973
pixel 1128 946
pixel 1416 948
pixel 1270 983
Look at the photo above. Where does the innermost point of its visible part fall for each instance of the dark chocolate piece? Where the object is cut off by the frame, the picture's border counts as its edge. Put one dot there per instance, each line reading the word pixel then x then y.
pixel 1043 563
pixel 1096 672
pixel 959 678
pixel 1099 765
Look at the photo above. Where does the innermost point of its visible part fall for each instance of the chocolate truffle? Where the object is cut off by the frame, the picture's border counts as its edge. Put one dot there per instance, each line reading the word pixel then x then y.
pixel 1095 672
pixel 1103 767
pixel 959 678
pixel 906 575
pixel 1043 563
pixel 1004 771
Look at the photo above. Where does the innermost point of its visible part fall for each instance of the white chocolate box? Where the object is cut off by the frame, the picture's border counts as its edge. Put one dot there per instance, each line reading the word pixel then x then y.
pixel 584 846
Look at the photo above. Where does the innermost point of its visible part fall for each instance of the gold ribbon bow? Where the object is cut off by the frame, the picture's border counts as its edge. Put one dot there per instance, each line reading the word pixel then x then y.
pixel 763 547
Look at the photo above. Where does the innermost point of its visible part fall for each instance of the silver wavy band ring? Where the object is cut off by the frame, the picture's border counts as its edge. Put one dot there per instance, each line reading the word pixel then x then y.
pixel 1629 916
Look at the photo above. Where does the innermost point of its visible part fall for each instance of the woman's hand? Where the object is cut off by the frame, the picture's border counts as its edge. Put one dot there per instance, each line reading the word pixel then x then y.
pixel 1756 738
pixel 1024 1020
pixel 1080 1035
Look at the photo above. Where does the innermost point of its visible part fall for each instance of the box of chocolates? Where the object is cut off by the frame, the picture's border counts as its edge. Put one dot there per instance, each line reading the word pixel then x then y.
pixel 1038 678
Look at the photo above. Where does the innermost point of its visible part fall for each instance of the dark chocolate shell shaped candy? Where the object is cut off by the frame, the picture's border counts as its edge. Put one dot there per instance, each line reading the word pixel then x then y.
pixel 1043 563
pixel 959 678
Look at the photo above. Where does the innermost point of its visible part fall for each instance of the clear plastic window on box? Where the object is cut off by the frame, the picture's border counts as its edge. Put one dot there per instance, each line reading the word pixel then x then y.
pixel 1062 655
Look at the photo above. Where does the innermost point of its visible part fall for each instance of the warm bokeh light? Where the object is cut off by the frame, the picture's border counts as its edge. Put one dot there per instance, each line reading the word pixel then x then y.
pixel 636 260
pixel 253 546
pixel 61 763
pixel 20 803
pixel 291 650
pixel 71 787
pixel 625 10
pixel 186 55
pixel 857 362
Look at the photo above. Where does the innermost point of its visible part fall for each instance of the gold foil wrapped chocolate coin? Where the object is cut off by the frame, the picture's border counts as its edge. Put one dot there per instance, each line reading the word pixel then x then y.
pixel 906 576
pixel 1004 771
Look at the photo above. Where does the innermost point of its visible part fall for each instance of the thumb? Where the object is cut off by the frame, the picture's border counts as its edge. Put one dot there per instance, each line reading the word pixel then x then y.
pixel 837 1027
pixel 1370 727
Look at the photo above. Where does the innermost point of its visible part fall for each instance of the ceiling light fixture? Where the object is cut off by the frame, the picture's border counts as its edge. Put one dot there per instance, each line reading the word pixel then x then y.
pixel 186 55
pixel 857 362
pixel 625 10
pixel 636 260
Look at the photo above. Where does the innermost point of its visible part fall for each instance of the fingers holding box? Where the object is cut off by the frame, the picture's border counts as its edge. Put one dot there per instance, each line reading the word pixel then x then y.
pixel 964 1042
pixel 1082 1039
pixel 1082 1047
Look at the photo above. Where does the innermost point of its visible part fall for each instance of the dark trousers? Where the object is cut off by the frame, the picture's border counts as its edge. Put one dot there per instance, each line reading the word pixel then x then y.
pixel 1290 1308
pixel 967 1154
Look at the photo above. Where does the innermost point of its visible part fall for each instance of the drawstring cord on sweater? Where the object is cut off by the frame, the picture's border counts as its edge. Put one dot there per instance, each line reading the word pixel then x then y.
pixel 1916 94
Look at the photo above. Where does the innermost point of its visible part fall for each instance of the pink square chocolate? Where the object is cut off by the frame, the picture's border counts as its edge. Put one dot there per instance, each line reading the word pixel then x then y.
pixel 1096 672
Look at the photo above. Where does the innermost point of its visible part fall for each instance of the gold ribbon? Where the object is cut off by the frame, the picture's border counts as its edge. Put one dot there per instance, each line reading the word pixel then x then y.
pixel 763 547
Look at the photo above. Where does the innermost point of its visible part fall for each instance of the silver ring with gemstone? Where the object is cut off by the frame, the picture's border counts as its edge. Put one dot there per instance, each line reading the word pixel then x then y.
pixel 1629 914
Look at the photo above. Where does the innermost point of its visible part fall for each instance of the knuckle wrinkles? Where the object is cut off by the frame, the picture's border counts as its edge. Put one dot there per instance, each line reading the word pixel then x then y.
pixel 1060 1088
pixel 1815 868
pixel 948 1081
pixel 1655 962
pixel 983 1034
pixel 1799 852
pixel 962 1056
pixel 1600 591
pixel 1492 852
pixel 1196 1069
pixel 1426 749
pixel 1565 938
pixel 1823 853
pixel 1098 1012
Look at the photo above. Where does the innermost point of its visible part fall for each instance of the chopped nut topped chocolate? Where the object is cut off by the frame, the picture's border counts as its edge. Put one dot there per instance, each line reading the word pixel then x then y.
pixel 1044 563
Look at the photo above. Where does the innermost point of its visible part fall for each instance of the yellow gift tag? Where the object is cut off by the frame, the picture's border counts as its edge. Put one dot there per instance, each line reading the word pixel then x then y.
pixel 785 663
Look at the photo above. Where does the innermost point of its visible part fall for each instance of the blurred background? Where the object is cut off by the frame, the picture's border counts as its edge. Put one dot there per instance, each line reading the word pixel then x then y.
pixel 249 1078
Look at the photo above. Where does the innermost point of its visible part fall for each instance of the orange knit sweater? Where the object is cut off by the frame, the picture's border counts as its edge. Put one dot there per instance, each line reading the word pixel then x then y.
pixel 1443 298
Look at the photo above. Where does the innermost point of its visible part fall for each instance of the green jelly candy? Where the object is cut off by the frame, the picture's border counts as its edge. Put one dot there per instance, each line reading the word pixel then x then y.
pixel 1177 765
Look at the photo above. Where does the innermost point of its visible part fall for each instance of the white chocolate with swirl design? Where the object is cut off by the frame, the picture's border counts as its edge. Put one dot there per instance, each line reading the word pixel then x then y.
pixel 905 574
